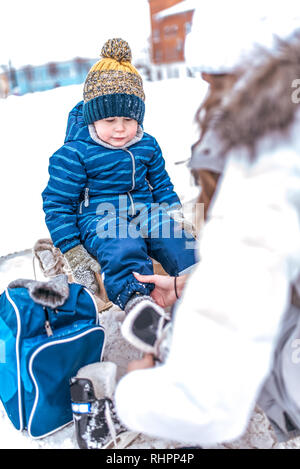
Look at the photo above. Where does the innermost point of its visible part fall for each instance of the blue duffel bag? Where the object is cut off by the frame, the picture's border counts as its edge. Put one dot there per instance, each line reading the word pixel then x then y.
pixel 41 348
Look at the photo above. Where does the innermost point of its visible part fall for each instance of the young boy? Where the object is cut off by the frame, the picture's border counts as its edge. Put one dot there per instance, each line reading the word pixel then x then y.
pixel 109 195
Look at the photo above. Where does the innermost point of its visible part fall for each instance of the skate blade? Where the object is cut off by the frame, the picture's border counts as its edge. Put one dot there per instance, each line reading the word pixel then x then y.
pixel 122 441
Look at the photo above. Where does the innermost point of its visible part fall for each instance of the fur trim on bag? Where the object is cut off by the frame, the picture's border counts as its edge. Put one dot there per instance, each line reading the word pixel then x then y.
pixel 53 293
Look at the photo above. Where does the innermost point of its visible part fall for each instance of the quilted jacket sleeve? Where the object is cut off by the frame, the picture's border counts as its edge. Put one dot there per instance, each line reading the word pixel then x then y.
pixel 61 197
pixel 159 179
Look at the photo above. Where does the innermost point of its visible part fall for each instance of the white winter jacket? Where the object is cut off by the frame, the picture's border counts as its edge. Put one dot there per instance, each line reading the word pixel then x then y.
pixel 229 316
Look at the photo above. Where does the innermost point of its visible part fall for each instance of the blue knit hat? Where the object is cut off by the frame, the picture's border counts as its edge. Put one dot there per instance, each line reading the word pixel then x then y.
pixel 113 86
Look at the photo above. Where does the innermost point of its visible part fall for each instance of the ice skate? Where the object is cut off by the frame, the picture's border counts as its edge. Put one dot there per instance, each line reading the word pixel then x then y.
pixel 96 423
pixel 144 324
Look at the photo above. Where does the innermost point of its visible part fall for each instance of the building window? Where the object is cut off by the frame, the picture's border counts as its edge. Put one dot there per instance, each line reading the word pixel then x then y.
pixel 156 35
pixel 53 70
pixel 188 27
pixel 171 30
pixel 179 45
pixel 158 55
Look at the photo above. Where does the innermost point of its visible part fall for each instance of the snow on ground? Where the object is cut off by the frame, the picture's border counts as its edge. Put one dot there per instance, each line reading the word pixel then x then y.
pixel 33 127
pixel 258 435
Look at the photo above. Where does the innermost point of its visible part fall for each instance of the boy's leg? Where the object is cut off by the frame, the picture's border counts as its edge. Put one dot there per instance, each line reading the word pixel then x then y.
pixel 169 244
pixel 118 258
pixel 146 324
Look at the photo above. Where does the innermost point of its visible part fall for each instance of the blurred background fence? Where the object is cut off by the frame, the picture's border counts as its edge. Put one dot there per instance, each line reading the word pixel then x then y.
pixel 162 58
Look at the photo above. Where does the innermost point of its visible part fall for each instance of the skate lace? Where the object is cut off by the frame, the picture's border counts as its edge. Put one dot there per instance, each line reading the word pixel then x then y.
pixel 110 423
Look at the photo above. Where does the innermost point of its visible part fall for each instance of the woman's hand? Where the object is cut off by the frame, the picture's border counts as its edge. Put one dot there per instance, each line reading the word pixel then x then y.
pixel 164 291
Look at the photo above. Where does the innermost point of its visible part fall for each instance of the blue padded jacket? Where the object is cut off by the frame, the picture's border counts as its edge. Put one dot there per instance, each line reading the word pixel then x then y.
pixel 84 172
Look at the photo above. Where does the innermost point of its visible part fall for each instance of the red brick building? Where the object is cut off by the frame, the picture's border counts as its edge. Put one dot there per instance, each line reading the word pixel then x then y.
pixel 170 22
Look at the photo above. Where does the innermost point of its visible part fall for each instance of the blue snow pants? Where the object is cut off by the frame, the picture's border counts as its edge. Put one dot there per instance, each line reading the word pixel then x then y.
pixel 124 244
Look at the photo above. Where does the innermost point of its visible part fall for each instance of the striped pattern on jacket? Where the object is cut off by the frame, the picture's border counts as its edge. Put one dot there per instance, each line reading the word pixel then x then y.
pixel 83 167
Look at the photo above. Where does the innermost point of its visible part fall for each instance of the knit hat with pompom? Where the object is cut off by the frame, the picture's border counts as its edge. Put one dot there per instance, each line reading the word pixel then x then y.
pixel 113 86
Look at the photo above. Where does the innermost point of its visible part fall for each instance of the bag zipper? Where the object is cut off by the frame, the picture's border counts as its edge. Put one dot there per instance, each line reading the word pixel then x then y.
pixel 47 324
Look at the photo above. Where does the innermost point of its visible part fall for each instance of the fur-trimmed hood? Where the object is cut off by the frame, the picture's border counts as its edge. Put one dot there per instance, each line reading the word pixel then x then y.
pixel 261 101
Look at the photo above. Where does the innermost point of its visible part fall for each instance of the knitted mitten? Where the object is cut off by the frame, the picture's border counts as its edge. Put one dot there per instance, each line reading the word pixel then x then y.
pixel 83 267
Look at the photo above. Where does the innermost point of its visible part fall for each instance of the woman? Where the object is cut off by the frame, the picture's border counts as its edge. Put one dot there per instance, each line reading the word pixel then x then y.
pixel 232 342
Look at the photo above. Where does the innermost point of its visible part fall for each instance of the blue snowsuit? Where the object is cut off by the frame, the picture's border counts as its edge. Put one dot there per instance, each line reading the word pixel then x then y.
pixel 107 199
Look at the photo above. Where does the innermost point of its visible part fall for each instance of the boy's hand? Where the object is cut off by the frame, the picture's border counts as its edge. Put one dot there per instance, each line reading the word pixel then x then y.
pixel 79 255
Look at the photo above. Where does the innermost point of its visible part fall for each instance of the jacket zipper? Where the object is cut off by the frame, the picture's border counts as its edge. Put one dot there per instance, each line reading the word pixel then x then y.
pixel 132 181
pixel 85 201
pixel 86 197
pixel 133 168
pixel 132 204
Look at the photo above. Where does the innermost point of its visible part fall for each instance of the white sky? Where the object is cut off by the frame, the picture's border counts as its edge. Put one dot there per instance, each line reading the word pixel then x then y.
pixel 36 31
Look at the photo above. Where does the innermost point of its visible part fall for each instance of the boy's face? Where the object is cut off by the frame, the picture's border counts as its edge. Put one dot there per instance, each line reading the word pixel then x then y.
pixel 116 131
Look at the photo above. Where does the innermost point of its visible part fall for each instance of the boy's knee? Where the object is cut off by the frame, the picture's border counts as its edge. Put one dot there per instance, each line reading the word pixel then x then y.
pixel 124 249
